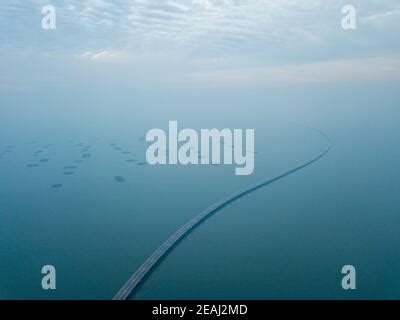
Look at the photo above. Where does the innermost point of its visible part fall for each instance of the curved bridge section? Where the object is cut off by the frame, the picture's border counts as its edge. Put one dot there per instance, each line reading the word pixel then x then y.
pixel 138 277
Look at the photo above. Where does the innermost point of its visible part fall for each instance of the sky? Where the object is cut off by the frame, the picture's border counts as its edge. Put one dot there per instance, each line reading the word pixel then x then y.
pixel 197 42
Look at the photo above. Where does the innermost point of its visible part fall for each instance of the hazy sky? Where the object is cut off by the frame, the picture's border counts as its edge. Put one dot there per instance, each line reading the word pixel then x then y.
pixel 189 42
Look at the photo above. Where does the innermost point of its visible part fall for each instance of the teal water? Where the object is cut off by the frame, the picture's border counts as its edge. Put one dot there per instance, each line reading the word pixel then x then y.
pixel 73 194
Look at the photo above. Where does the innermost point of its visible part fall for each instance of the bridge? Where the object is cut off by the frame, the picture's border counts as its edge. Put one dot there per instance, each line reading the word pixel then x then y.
pixel 138 277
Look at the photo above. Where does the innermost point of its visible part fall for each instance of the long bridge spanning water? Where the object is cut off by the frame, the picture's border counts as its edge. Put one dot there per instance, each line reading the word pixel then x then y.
pixel 138 277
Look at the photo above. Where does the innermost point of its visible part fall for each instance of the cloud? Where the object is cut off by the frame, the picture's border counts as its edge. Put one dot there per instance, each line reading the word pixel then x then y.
pixel 104 56
pixel 381 68
pixel 205 26
pixel 246 40
pixel 389 17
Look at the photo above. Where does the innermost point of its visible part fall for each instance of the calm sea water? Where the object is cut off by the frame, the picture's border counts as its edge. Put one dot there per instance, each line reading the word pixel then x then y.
pixel 73 194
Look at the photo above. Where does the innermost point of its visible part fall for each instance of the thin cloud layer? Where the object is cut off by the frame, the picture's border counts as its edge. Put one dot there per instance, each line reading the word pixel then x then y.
pixel 367 69
pixel 186 39
pixel 197 27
